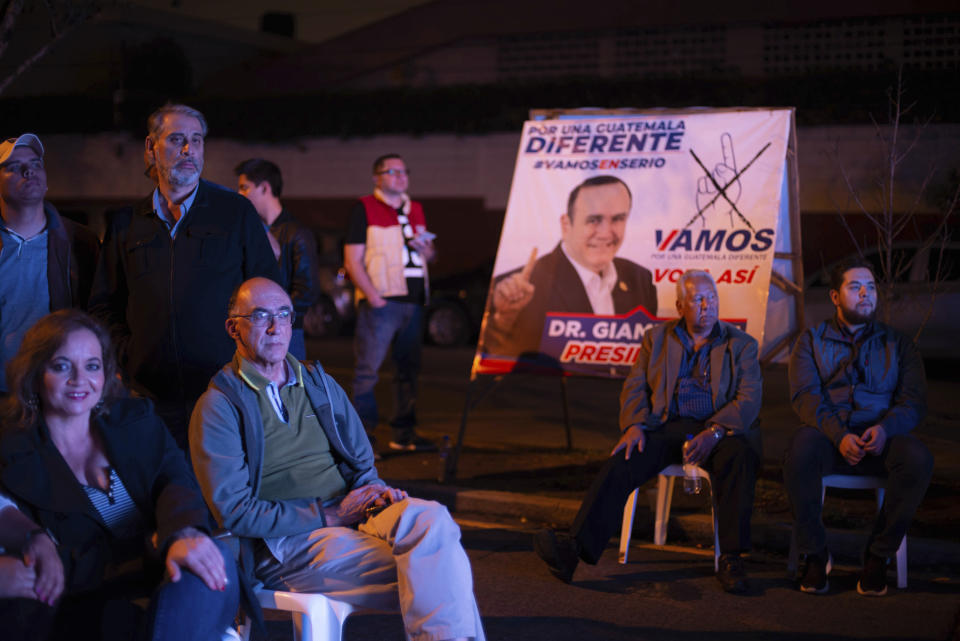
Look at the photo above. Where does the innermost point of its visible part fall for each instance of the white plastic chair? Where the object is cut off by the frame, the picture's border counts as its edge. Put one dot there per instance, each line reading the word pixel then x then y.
pixel 665 482
pixel 315 617
pixel 854 482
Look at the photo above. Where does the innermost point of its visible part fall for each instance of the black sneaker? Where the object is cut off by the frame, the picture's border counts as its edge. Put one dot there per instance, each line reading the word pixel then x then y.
pixel 413 444
pixel 558 551
pixel 815 573
pixel 731 574
pixel 873 579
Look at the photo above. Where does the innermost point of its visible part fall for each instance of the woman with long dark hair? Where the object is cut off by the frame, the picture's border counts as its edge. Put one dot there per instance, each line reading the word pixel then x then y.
pixel 101 479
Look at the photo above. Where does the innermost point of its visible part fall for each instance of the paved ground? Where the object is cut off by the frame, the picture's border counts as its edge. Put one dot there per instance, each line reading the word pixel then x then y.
pixel 515 475
pixel 669 594
pixel 515 438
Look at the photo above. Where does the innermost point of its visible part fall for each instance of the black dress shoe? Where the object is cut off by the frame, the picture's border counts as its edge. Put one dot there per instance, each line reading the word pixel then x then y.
pixel 558 551
pixel 731 575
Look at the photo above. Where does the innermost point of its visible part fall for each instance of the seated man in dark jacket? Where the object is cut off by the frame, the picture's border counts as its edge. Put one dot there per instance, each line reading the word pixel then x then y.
pixel 694 376
pixel 283 462
pixel 859 388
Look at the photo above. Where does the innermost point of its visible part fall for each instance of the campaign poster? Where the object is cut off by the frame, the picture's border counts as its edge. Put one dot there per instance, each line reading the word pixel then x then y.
pixel 605 213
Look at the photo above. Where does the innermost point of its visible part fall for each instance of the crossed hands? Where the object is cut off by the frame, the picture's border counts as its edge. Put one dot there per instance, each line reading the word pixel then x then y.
pixel 195 551
pixel 353 508
pixel 512 294
pixel 872 441
pixel 38 575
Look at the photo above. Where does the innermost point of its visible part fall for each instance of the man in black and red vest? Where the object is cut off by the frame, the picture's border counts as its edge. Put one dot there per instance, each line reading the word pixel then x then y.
pixel 386 253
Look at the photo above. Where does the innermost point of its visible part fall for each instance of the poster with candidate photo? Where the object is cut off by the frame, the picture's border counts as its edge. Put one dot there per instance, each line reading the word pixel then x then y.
pixel 604 215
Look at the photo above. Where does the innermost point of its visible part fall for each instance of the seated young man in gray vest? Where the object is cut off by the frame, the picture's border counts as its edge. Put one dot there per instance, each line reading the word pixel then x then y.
pixel 284 463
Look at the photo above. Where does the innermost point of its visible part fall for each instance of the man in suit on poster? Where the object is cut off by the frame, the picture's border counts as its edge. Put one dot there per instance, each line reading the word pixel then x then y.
pixel 581 275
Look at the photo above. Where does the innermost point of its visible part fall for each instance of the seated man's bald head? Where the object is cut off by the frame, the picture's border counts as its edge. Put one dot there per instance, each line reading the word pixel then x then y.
pixel 250 287
pixel 260 321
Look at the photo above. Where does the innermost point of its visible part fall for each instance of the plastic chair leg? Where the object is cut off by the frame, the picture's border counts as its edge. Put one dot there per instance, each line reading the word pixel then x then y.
pixel 664 499
pixel 626 529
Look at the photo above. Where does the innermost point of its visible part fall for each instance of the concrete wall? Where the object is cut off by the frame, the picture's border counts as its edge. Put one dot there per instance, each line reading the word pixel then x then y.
pixel 109 167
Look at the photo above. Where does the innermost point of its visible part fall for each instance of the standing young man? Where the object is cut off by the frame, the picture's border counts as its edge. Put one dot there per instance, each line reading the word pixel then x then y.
pixel 46 262
pixel 386 253
pixel 295 247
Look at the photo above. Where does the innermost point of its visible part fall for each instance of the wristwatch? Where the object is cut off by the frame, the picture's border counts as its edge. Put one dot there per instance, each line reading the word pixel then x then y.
pixel 718 431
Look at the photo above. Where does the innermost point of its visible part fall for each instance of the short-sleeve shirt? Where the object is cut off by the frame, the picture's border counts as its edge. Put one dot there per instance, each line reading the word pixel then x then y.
pixel 357 235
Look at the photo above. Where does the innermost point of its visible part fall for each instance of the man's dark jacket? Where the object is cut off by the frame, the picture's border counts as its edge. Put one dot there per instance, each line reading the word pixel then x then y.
pixel 736 382
pixel 71 260
pixel 558 288
pixel 153 470
pixel 298 263
pixel 165 299
pixel 841 385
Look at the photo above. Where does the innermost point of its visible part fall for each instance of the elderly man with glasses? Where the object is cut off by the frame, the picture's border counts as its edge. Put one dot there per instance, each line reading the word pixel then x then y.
pixel 284 464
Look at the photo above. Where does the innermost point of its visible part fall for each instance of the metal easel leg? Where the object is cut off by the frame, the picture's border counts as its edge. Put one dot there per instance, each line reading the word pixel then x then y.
pixel 566 412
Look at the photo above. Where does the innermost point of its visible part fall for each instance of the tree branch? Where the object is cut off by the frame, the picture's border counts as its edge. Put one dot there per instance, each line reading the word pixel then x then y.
pixel 10 15
pixel 29 62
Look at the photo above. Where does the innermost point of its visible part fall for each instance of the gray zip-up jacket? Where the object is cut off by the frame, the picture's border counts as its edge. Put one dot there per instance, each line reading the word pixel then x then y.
pixel 842 385
pixel 226 445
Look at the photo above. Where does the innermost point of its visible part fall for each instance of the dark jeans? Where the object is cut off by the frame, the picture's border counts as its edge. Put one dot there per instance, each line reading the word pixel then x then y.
pixel 190 611
pixel 905 462
pixel 732 465
pixel 298 345
pixel 183 611
pixel 395 326
pixel 25 619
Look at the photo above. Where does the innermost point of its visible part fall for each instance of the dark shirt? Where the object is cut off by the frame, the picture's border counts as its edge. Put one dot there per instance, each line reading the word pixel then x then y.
pixel 692 397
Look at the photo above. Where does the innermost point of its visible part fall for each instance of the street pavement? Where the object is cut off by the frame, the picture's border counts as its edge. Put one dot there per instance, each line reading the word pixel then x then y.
pixel 515 475
pixel 668 594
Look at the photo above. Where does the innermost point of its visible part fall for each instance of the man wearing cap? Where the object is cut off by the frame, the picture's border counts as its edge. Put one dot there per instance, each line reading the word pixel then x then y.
pixel 168 266
pixel 46 262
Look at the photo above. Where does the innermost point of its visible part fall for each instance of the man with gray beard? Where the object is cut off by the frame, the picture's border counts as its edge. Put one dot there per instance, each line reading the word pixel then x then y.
pixel 167 268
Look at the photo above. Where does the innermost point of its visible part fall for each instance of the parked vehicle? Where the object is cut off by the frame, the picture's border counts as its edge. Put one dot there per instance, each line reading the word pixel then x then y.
pixel 456 307
pixel 333 314
pixel 452 318
pixel 919 299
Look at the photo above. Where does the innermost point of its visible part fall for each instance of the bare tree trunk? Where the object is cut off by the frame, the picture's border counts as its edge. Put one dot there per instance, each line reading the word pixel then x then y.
pixel 890 224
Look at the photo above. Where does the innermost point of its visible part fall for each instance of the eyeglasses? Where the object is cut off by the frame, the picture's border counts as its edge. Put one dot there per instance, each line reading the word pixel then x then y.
pixel 263 318
pixel 394 172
